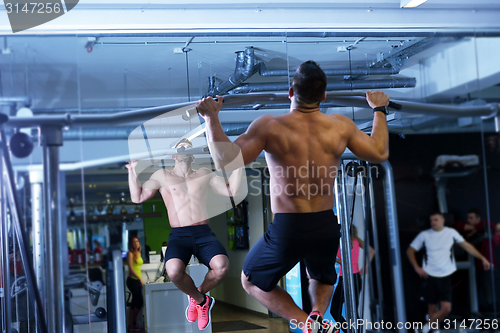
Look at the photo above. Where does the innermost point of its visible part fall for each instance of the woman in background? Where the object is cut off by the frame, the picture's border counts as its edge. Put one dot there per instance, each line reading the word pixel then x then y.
pixel 134 280
pixel 338 296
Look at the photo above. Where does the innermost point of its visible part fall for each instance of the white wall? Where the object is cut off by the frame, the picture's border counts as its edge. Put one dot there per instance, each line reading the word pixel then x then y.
pixel 231 291
pixel 464 67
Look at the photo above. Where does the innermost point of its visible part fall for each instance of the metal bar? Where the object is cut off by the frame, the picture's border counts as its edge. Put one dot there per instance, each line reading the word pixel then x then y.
pixel 474 306
pixel 441 194
pixel 366 240
pixel 116 296
pixel 349 293
pixel 244 99
pixel 51 140
pixel 4 237
pixel 21 236
pixel 395 255
pixel 36 178
pixel 376 247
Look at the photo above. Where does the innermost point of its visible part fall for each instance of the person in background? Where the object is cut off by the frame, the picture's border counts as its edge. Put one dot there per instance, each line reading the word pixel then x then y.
pixel 338 298
pixel 134 280
pixel 97 247
pixel 161 252
pixel 438 265
pixel 477 231
pixel 148 249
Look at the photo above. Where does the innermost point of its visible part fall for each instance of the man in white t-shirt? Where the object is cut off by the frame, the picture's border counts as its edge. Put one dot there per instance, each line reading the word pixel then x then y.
pixel 438 265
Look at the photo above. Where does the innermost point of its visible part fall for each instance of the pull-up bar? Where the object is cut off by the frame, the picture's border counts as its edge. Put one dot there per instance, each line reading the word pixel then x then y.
pixel 349 99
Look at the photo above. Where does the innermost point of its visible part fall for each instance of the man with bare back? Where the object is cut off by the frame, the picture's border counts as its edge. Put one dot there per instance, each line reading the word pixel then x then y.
pixel 303 150
pixel 184 192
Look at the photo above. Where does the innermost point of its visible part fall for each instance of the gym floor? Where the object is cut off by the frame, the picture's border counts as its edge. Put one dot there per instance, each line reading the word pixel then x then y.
pixel 226 318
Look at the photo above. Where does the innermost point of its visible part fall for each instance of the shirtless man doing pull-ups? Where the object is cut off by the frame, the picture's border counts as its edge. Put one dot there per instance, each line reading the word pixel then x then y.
pixel 184 192
pixel 303 149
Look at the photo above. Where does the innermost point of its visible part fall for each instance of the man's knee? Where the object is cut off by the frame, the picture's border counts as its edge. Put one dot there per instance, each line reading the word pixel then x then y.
pixel 220 266
pixel 445 307
pixel 247 285
pixel 174 269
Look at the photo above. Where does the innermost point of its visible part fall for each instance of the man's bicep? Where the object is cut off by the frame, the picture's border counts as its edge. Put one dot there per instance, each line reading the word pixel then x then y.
pixel 219 185
pixel 363 146
pixel 253 141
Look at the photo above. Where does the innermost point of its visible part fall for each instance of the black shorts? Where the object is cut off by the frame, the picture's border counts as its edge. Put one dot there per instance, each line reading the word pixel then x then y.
pixel 292 237
pixel 437 289
pixel 198 240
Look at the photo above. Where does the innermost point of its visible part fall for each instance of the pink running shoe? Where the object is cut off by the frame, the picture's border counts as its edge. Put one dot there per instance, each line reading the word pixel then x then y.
pixel 204 312
pixel 314 323
pixel 191 312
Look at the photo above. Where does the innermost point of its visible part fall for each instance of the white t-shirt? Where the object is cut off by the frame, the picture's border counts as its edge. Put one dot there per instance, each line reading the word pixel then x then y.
pixel 438 259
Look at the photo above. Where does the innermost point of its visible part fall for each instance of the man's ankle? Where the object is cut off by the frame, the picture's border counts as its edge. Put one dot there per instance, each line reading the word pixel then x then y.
pixel 202 302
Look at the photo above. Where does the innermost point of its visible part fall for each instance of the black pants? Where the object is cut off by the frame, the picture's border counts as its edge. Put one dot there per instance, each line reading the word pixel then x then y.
pixel 135 288
pixel 339 297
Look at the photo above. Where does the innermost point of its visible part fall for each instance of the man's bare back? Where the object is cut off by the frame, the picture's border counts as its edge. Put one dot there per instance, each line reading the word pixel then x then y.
pixel 303 149
pixel 302 160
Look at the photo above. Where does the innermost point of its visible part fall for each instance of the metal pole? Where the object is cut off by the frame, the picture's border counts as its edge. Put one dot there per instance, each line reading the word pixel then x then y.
pixel 21 236
pixel 349 292
pixel 116 292
pixel 378 269
pixel 366 264
pixel 51 140
pixel 4 237
pixel 474 306
pixel 36 179
pixel 395 255
pixel 441 194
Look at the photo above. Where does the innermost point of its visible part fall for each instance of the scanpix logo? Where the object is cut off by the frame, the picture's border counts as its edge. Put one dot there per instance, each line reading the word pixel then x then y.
pixel 26 14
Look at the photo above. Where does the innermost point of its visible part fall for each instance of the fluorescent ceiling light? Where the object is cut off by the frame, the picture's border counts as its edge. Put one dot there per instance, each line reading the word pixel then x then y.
pixel 411 3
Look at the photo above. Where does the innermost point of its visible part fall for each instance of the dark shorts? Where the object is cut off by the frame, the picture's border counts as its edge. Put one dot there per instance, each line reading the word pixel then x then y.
pixel 292 237
pixel 437 289
pixel 198 240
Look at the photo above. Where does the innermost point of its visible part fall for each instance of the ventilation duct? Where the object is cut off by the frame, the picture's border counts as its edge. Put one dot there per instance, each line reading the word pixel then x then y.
pixel 243 70
pixel 331 85
pixel 246 67
pixel 263 71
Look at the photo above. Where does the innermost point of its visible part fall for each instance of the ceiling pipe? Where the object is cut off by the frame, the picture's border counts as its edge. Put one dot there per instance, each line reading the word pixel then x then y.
pixel 331 85
pixel 246 67
pixel 128 133
pixel 263 71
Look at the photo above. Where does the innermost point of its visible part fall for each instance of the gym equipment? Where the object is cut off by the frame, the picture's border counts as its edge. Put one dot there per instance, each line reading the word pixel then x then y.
pixel 100 312
pixel 21 145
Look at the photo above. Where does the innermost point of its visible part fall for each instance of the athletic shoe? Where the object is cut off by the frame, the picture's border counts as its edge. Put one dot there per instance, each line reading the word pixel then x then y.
pixel 314 323
pixel 191 312
pixel 133 328
pixel 204 312
pixel 329 328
